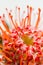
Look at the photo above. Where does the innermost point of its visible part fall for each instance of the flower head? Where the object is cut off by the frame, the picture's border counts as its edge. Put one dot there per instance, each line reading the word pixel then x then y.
pixel 22 41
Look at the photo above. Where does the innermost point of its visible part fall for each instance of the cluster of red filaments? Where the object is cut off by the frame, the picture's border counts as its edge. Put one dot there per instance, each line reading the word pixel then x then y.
pixel 24 44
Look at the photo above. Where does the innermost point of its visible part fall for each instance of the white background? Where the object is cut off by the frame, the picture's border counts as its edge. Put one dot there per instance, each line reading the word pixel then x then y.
pixel 11 4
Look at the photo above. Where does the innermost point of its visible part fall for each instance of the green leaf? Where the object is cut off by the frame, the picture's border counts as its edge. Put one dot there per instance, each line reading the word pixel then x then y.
pixel 0 40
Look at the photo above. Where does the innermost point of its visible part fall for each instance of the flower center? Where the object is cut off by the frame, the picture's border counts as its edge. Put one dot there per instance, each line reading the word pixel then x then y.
pixel 27 40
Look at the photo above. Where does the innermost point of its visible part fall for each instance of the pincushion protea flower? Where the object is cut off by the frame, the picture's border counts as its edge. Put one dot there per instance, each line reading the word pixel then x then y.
pixel 24 44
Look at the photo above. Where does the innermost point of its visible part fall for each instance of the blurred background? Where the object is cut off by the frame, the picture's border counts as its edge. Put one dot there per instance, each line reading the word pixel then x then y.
pixel 11 5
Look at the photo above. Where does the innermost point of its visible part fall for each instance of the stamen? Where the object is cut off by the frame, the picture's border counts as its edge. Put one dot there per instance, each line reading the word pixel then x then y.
pixel 38 19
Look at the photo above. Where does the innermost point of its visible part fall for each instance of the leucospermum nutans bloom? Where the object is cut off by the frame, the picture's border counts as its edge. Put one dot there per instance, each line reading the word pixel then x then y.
pixel 22 45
